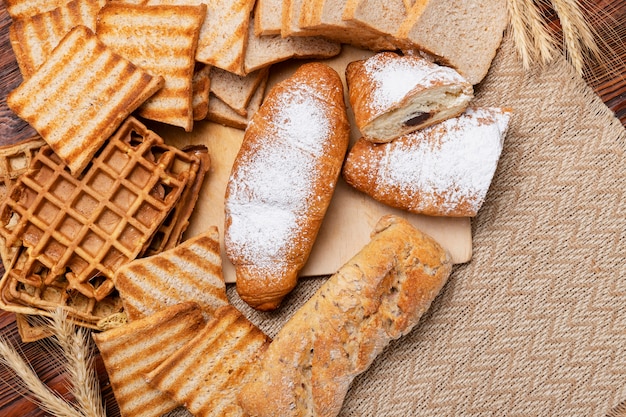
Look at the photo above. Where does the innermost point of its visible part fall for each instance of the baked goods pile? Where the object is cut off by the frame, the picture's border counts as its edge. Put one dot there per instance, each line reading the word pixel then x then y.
pixel 93 218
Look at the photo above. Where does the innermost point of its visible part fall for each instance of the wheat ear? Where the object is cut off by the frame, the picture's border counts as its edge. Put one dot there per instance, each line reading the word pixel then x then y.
pixel 579 37
pixel 531 36
pixel 78 354
pixel 45 399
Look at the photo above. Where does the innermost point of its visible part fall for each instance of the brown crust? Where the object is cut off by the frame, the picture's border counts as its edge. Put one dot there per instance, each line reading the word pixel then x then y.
pixel 377 296
pixel 259 289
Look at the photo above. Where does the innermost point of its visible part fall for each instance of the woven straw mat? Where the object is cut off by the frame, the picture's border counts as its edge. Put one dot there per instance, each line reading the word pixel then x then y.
pixel 535 324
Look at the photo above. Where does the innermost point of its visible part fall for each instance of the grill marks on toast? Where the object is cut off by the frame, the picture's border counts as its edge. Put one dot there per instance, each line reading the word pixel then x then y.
pixel 34 38
pixel 224 37
pixel 80 95
pixel 26 8
pixel 134 349
pixel 191 271
pixel 206 374
pixel 162 40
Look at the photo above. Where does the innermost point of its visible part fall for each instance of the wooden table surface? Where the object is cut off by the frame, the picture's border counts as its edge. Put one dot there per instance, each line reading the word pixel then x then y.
pixel 607 78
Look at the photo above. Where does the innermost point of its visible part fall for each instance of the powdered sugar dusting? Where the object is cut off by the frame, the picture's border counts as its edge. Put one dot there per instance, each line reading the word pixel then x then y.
pixel 270 192
pixel 393 79
pixel 447 164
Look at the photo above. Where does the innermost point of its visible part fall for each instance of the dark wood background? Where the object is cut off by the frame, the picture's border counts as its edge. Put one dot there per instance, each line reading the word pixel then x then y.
pixel 607 78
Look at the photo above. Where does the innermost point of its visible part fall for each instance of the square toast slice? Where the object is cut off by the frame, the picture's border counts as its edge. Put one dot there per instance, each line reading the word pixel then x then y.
pixel 192 271
pixel 34 38
pixel 207 373
pixel 136 348
pixel 80 96
pixel 163 41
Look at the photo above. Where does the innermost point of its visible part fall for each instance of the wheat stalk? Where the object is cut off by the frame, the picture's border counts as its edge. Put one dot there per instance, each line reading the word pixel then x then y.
pixel 535 43
pixel 579 37
pixel 46 399
pixel 533 40
pixel 78 354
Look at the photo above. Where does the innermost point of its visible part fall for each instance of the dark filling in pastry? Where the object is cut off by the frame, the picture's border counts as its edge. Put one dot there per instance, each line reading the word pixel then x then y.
pixel 417 119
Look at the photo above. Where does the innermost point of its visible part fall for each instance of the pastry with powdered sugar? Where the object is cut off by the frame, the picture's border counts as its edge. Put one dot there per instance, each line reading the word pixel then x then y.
pixel 443 170
pixel 393 95
pixel 282 182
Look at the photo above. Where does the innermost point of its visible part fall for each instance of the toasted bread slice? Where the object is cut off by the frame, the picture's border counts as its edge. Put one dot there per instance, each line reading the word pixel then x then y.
pixel 163 41
pixel 220 112
pixel 207 373
pixel 469 39
pixel 19 9
pixel 201 84
pixel 192 271
pixel 34 38
pixel 223 36
pixel 263 51
pixel 132 350
pixel 236 90
pixel 81 95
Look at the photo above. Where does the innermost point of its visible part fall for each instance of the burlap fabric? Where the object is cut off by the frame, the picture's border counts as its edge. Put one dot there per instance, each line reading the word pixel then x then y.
pixel 535 324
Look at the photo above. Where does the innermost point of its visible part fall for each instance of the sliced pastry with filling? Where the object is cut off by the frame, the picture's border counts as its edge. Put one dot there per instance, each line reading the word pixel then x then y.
pixel 393 95
pixel 443 170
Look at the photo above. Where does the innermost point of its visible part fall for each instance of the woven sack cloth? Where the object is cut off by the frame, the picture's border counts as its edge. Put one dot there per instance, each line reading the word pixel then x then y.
pixel 535 324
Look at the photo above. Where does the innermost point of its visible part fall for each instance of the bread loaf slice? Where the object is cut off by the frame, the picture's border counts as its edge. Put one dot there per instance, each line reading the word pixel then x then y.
pixel 201 85
pixel 134 349
pixel 468 39
pixel 207 373
pixel 377 296
pixel 192 271
pixel 267 17
pixel 325 18
pixel 380 16
pixel 282 181
pixel 162 40
pixel 263 51
pixel 81 95
pixel 223 39
pixel 220 112
pixel 442 170
pixel 34 38
pixel 393 95
pixel 236 90
pixel 292 14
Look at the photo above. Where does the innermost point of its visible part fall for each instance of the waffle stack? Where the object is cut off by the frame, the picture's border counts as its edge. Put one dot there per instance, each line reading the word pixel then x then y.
pixel 14 161
pixel 72 233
